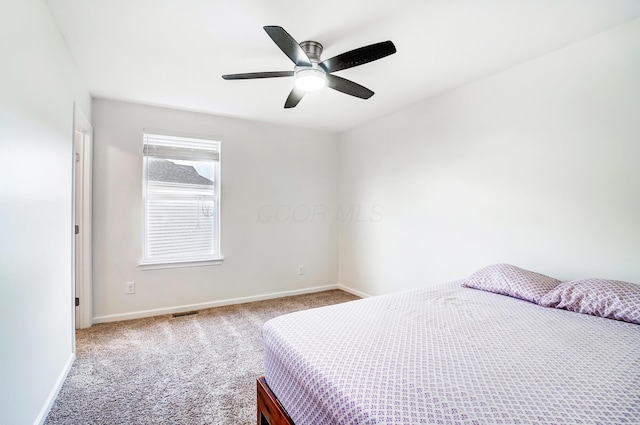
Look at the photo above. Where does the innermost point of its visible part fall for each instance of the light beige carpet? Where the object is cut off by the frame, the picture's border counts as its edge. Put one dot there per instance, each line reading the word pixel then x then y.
pixel 189 370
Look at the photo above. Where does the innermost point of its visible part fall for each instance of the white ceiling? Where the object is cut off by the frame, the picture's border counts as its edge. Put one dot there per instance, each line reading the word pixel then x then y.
pixel 173 52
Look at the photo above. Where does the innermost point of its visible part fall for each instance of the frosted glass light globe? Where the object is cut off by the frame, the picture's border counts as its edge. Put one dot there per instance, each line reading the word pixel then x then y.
pixel 310 79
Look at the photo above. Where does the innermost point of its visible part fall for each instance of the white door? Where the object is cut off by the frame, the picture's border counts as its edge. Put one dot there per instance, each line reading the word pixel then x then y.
pixel 83 138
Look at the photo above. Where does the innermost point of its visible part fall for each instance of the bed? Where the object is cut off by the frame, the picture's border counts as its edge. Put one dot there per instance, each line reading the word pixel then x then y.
pixel 448 355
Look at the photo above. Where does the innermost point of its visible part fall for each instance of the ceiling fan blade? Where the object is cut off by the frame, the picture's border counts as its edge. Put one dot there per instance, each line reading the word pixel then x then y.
pixel 359 56
pixel 288 45
pixel 349 87
pixel 294 97
pixel 251 75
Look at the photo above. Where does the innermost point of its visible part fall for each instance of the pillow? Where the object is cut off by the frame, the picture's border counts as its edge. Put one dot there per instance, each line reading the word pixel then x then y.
pixel 612 299
pixel 513 281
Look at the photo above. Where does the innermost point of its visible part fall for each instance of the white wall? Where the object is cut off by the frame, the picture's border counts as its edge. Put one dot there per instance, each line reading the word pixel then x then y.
pixel 38 85
pixel 536 166
pixel 264 167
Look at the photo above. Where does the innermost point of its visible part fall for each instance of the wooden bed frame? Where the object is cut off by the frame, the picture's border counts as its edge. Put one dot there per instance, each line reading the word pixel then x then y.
pixel 270 411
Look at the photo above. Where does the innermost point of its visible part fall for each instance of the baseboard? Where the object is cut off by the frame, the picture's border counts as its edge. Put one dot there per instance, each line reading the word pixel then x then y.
pixel 54 391
pixel 202 306
pixel 352 291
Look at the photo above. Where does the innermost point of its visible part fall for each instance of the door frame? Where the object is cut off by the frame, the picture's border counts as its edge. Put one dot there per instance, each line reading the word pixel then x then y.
pixel 82 201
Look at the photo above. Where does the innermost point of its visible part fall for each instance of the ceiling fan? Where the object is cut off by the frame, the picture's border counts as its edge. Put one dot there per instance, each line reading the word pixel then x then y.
pixel 312 74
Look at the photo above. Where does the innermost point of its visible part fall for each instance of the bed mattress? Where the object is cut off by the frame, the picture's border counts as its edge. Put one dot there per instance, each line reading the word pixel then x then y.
pixel 452 355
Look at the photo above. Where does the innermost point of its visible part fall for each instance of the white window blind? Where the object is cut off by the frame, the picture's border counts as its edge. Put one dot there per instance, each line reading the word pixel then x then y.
pixel 181 199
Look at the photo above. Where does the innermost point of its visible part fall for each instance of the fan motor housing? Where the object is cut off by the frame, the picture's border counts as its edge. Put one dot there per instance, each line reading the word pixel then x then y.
pixel 313 49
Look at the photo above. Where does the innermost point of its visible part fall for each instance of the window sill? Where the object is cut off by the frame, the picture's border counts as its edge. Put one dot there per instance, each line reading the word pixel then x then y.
pixel 178 264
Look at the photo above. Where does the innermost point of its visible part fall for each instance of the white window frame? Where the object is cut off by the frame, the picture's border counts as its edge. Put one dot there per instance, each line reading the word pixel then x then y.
pixel 181 153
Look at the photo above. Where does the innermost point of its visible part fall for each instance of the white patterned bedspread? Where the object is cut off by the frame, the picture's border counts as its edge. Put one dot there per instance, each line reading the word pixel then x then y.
pixel 452 355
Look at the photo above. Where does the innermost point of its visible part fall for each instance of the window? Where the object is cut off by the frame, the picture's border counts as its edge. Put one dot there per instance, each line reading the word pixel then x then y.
pixel 181 189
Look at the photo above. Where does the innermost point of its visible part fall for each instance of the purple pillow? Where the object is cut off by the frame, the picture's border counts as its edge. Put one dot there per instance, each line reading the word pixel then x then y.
pixel 513 281
pixel 612 299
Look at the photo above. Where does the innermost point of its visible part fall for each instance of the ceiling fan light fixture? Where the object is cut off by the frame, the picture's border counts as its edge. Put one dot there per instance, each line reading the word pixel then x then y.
pixel 310 79
pixel 311 72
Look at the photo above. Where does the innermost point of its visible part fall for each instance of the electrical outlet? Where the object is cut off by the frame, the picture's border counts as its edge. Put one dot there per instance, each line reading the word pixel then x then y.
pixel 131 287
pixel 300 269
